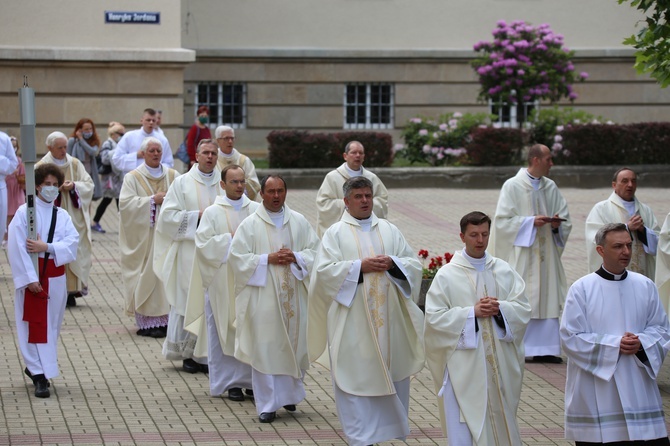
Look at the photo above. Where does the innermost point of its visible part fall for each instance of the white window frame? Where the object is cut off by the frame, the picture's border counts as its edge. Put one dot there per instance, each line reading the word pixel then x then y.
pixel 219 106
pixel 368 106
pixel 512 107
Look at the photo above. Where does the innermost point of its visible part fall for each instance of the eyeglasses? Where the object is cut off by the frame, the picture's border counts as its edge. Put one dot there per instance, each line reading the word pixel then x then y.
pixel 237 182
pixel 227 138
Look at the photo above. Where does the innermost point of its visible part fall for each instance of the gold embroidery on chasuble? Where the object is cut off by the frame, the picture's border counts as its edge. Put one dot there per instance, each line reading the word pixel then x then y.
pixel 376 287
pixel 481 283
pixel 285 284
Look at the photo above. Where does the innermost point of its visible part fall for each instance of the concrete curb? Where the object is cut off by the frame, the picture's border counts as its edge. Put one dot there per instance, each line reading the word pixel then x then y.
pixel 585 177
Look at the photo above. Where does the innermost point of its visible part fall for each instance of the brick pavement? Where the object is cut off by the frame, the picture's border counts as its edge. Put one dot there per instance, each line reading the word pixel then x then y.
pixel 116 388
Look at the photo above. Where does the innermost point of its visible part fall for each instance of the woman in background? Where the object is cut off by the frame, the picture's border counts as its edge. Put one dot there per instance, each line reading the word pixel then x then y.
pixel 110 177
pixel 84 145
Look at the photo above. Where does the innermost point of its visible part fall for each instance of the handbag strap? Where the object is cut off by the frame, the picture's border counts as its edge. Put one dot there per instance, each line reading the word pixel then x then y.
pixel 50 237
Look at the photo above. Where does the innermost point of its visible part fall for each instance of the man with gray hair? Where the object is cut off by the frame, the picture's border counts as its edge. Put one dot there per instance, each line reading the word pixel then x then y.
pixel 363 293
pixel 75 197
pixel 616 335
pixel 329 200
pixel 225 139
pixel 623 207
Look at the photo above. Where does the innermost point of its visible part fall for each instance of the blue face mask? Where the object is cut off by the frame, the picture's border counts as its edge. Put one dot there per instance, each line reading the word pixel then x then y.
pixel 49 193
pixel 87 135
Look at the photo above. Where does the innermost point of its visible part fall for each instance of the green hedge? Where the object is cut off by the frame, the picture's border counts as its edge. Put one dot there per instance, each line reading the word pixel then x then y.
pixel 598 144
pixel 301 149
pixel 490 146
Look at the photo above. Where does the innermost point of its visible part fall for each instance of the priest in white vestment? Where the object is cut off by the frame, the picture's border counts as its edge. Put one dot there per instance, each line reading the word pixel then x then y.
pixel 623 207
pixel 174 252
pixel 616 334
pixel 329 199
pixel 228 154
pixel 530 230
pixel 364 288
pixel 41 293
pixel 271 257
pixel 211 270
pixel 476 316
pixel 140 201
pixel 663 264
pixel 8 164
pixel 75 197
pixel 128 155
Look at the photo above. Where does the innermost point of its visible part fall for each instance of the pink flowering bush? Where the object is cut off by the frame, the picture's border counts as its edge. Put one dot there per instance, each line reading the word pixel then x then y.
pixel 525 63
pixel 440 142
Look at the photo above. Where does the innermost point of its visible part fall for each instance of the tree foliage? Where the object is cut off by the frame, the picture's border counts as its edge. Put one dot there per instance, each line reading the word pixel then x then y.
pixel 652 41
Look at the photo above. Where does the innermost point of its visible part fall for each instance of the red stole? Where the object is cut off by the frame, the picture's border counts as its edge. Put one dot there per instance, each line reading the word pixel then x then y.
pixel 36 306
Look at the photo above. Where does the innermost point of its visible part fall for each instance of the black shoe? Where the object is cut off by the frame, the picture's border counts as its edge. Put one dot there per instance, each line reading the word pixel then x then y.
pixel 548 359
pixel 190 366
pixel 41 387
pixel 71 300
pixel 156 333
pixel 203 368
pixel 249 392
pixel 162 330
pixel 29 375
pixel 143 332
pixel 235 394
pixel 290 407
pixel 267 417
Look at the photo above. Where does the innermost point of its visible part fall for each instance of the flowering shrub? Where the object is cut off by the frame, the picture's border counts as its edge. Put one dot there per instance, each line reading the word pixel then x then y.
pixel 435 263
pixel 549 122
pixel 440 142
pixel 525 63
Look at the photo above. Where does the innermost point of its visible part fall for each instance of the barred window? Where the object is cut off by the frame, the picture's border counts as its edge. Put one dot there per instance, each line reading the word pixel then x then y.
pixel 512 115
pixel 368 106
pixel 226 101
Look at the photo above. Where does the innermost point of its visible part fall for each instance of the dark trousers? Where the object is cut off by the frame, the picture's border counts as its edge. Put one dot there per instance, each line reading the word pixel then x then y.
pixel 102 207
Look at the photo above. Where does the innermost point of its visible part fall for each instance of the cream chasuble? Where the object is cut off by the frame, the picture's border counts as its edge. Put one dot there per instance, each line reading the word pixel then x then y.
pixel 143 292
pixel 485 367
pixel 534 252
pixel 77 271
pixel 330 198
pixel 612 210
pixel 663 264
pixel 373 328
pixel 211 271
pixel 271 316
pixel 610 396
pixel 253 185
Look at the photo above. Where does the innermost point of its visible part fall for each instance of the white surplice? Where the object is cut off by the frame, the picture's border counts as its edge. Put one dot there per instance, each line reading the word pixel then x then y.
pixel 125 155
pixel 477 365
pixel 77 271
pixel 144 294
pixel 253 186
pixel 174 252
pixel 330 197
pixel 534 252
pixel 613 210
pixel 610 396
pixel 41 358
pixel 663 264
pixel 211 271
pixel 8 164
pixel 373 327
pixel 271 302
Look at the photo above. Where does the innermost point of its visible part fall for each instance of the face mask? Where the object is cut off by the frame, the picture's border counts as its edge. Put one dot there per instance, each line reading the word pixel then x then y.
pixel 49 193
pixel 87 135
pixel 203 119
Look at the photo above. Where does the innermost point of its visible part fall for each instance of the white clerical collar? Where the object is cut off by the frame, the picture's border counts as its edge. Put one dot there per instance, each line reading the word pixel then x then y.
pixel 236 204
pixel 203 174
pixel 155 172
pixel 365 223
pixel 227 155
pixel 535 182
pixel 629 205
pixel 478 264
pixel 276 217
pixel 60 162
pixel 353 173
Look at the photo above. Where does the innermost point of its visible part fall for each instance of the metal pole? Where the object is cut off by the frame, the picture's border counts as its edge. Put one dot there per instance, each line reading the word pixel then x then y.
pixel 27 111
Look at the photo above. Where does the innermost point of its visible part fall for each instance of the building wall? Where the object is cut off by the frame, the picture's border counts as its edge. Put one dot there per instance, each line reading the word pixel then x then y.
pixel 296 56
pixel 81 67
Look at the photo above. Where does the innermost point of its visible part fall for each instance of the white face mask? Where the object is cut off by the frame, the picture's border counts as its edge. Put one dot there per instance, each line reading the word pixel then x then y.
pixel 49 193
